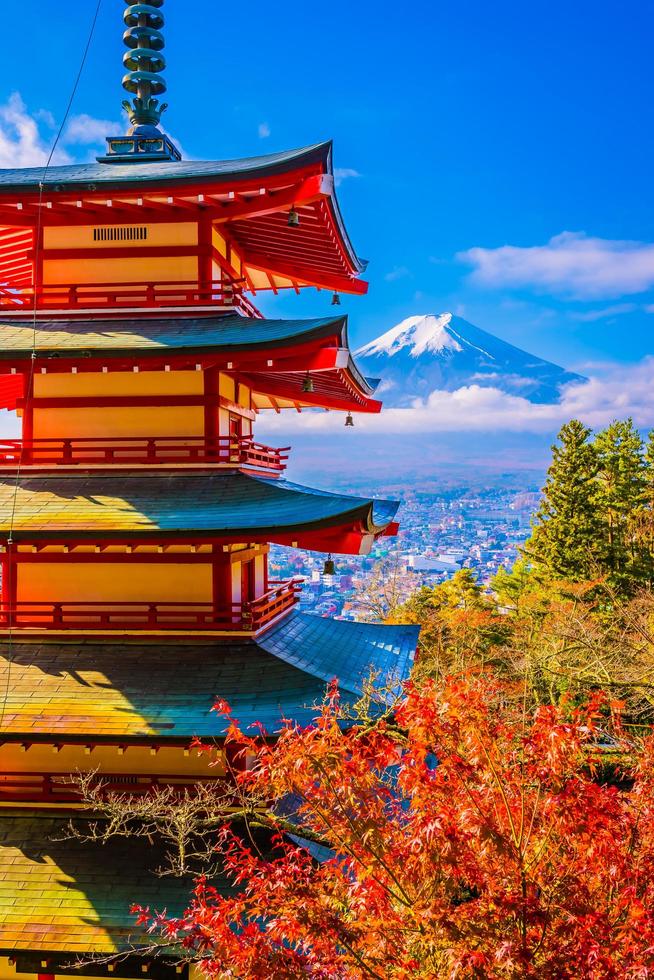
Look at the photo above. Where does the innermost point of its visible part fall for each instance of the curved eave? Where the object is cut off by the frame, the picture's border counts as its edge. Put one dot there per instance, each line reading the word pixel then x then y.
pixel 203 506
pixel 116 176
pixel 108 691
pixel 349 652
pixel 320 346
pixel 127 337
pixel 358 265
pixel 90 181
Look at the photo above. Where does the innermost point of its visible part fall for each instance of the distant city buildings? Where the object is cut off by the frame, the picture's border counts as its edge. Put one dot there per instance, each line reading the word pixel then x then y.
pixel 440 534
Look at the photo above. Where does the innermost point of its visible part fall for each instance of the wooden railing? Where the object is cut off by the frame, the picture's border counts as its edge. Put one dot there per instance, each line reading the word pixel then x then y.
pixel 249 617
pixel 223 450
pixel 34 787
pixel 133 295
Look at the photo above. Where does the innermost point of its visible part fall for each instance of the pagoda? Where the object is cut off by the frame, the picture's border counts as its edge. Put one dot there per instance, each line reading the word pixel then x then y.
pixel 137 508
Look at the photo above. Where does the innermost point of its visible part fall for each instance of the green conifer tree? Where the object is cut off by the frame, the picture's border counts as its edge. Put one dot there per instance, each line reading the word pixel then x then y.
pixel 649 464
pixel 621 493
pixel 567 524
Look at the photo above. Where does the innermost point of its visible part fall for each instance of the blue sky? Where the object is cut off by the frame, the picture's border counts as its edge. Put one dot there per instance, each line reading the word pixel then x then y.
pixel 495 159
pixel 471 125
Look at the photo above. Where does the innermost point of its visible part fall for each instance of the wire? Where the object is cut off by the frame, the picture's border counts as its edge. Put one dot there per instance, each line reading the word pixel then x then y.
pixel 10 566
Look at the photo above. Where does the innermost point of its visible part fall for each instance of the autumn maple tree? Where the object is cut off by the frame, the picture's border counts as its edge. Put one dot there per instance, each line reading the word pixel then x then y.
pixel 460 835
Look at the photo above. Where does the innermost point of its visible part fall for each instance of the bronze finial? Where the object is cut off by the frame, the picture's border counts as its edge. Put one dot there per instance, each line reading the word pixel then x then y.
pixel 144 62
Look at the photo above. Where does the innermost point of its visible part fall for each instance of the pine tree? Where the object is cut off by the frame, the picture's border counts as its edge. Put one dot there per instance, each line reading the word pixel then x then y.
pixel 642 523
pixel 649 464
pixel 621 493
pixel 567 525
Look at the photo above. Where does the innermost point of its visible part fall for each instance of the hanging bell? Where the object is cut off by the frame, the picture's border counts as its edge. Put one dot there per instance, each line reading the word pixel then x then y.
pixel 307 384
pixel 293 218
pixel 349 421
pixel 329 568
pixel 336 300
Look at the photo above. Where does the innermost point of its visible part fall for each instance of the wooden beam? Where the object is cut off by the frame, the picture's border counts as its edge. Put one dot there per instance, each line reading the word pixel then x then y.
pixel 312 277
pixel 272 388
pixel 309 190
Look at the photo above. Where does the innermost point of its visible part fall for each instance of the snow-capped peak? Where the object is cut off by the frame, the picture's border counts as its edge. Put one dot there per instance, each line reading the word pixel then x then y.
pixel 443 352
pixel 419 333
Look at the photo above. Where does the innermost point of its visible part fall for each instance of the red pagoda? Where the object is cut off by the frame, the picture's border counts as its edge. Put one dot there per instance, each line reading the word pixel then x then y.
pixel 137 509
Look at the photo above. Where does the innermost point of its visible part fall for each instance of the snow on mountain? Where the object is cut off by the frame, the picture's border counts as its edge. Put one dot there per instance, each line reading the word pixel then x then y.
pixel 443 351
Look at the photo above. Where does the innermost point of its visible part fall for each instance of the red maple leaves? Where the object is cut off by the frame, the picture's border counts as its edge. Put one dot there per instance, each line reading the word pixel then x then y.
pixel 464 837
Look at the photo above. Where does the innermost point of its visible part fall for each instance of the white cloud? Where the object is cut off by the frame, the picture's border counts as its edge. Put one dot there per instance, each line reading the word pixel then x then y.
pixel 263 130
pixel 84 129
pixel 21 142
pixel 26 138
pixel 571 264
pixel 590 316
pixel 343 173
pixel 399 272
pixel 617 391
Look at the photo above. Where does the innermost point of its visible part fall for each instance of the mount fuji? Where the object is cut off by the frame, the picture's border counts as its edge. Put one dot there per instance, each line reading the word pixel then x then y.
pixel 444 351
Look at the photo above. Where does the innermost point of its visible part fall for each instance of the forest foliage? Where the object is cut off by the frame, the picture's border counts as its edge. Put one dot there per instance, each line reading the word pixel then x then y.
pixel 495 819
pixel 576 612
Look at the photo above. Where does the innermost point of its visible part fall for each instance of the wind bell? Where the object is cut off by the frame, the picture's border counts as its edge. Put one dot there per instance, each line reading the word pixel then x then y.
pixel 329 568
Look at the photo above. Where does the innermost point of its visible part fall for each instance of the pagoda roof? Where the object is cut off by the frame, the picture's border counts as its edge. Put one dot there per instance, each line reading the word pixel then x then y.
pixel 117 175
pixel 63 895
pixel 254 195
pixel 320 344
pixel 206 504
pixel 120 336
pixel 166 691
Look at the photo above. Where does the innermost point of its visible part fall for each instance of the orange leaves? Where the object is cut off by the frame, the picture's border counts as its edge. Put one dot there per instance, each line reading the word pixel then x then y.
pixel 467 839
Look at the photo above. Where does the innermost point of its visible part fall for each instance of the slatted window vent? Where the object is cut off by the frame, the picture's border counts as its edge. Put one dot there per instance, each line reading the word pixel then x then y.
pixel 120 234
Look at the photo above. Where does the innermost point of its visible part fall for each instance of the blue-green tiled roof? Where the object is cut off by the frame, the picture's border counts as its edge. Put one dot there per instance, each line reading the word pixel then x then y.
pixel 115 337
pixel 80 175
pixel 349 652
pixel 62 895
pixel 92 504
pixel 167 690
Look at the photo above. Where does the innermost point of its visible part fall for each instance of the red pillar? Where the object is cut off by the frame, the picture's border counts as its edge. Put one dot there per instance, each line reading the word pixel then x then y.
pixel 211 428
pixel 205 265
pixel 222 584
pixel 9 582
pixel 28 415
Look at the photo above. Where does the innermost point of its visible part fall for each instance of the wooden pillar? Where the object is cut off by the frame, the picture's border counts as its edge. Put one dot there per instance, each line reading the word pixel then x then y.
pixel 38 259
pixel 205 265
pixel 221 591
pixel 4 587
pixel 28 416
pixel 211 430
pixel 9 582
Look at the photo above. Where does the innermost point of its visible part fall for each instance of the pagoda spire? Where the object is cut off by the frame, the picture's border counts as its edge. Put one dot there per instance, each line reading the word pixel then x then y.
pixel 143 80
pixel 144 62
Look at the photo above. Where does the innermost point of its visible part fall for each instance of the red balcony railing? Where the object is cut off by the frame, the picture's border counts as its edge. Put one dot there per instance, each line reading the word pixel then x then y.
pixel 135 295
pixel 223 450
pixel 249 617
pixel 32 787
